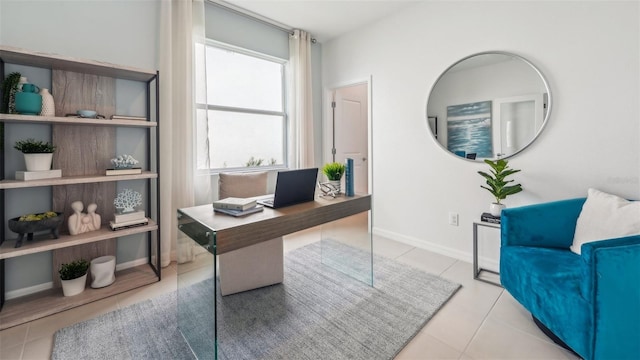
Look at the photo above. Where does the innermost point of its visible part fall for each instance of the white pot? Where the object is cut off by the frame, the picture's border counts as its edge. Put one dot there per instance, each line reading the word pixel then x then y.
pixel 74 286
pixel 103 271
pixel 496 209
pixel 38 162
pixel 335 184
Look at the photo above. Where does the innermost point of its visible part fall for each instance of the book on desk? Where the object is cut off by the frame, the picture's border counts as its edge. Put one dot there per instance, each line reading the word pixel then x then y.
pixel 238 213
pixel 234 203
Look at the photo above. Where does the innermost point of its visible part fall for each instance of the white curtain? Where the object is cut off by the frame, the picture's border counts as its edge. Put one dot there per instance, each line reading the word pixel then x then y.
pixel 181 26
pixel 301 143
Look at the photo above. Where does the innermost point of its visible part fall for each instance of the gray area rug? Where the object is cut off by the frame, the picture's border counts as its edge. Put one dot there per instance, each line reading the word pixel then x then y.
pixel 317 313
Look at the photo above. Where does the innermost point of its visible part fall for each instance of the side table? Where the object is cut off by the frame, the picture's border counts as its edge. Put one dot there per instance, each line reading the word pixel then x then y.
pixel 476 268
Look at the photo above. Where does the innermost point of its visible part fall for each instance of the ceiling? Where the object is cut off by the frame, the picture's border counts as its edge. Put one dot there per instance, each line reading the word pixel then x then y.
pixel 324 19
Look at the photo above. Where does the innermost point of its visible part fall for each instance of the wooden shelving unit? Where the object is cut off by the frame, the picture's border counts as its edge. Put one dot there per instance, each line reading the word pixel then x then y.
pixel 79 181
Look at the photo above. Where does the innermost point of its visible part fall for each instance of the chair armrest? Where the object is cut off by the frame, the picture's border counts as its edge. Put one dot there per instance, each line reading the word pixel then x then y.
pixel 549 224
pixel 614 278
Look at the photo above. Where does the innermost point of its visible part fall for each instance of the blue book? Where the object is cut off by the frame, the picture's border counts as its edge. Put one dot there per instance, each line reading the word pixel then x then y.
pixel 348 180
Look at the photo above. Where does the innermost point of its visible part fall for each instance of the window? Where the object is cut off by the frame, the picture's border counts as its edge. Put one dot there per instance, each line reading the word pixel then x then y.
pixel 242 110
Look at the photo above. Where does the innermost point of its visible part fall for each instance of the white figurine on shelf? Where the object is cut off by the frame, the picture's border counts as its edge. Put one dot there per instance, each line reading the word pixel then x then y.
pixel 80 222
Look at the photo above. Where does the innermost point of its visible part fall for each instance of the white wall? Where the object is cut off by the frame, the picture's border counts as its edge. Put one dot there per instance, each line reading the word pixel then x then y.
pixel 589 52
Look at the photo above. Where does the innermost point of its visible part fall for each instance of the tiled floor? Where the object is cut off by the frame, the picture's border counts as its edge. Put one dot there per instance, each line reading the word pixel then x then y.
pixel 481 321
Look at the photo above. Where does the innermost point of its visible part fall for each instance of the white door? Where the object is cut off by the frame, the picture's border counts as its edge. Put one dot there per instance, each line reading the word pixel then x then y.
pixel 518 119
pixel 350 131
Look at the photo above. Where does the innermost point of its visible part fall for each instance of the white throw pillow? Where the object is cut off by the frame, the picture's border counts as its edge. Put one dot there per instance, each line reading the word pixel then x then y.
pixel 605 216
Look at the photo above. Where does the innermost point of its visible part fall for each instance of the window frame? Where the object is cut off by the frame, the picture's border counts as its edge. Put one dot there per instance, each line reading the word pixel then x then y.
pixel 284 113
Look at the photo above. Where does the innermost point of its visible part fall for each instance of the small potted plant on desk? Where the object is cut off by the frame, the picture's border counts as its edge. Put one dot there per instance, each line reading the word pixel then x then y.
pixel 334 172
pixel 498 185
pixel 73 277
pixel 37 154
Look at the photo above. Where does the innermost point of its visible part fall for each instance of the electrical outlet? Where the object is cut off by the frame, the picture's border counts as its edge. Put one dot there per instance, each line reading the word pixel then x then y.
pixel 453 219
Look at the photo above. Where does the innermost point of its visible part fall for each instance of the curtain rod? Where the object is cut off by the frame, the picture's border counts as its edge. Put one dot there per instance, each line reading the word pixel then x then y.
pixel 253 16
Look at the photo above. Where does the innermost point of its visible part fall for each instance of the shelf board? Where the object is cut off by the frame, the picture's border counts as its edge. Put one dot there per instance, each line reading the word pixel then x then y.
pixel 46 243
pixel 72 180
pixel 37 119
pixel 14 55
pixel 35 306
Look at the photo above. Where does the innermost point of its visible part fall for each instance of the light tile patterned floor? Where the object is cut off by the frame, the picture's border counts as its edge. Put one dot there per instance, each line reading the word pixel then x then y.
pixel 481 321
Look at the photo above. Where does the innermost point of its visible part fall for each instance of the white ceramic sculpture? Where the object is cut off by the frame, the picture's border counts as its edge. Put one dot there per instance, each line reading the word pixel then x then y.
pixel 127 200
pixel 80 222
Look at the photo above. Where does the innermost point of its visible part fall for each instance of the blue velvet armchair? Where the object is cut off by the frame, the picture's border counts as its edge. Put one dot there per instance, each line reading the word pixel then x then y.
pixel 591 301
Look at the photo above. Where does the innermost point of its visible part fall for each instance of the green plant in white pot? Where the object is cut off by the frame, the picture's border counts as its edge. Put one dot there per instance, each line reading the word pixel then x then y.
pixel 498 185
pixel 334 171
pixel 37 154
pixel 73 277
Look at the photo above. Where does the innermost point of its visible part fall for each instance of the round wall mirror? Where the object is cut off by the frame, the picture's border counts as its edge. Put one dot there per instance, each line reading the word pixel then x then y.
pixel 488 105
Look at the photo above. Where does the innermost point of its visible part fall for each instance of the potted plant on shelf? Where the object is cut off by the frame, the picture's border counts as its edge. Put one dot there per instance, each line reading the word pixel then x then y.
pixel 73 277
pixel 333 172
pixel 37 154
pixel 498 184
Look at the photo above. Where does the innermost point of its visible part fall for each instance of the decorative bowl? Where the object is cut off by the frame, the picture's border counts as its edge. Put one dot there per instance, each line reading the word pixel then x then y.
pixel 87 114
pixel 29 227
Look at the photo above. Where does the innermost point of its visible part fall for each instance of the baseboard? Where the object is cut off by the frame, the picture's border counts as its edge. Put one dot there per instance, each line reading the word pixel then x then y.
pixel 28 290
pixel 130 264
pixel 490 264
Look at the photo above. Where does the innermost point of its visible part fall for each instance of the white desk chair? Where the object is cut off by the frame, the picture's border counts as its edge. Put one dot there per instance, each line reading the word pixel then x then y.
pixel 254 266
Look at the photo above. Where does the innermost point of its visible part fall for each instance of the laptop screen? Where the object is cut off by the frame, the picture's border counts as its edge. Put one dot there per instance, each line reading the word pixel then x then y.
pixel 295 186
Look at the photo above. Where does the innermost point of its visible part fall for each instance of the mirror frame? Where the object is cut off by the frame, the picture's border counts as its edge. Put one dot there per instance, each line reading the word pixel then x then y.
pixel 506 53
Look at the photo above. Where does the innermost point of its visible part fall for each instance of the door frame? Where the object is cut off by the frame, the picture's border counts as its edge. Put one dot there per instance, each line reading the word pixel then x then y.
pixel 327 127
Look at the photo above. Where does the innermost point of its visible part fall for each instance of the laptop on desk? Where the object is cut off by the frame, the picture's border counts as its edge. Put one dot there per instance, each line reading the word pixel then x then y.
pixel 293 187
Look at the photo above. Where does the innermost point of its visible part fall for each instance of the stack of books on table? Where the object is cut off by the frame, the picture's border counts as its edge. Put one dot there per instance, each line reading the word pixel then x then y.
pixel 236 206
pixel 128 220
pixel 487 217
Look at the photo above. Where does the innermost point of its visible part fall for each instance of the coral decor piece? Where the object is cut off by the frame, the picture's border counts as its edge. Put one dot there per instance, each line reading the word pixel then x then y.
pixel 127 200
pixel 124 161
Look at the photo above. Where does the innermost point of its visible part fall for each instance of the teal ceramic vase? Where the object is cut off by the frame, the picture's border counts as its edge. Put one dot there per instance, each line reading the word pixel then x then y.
pixel 28 101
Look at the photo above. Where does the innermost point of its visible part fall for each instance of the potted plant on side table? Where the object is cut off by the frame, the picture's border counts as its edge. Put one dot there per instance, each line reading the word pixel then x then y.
pixel 498 185
pixel 73 277
pixel 37 154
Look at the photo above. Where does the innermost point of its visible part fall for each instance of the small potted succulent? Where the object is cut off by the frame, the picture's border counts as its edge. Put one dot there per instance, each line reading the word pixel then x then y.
pixel 497 184
pixel 73 277
pixel 37 154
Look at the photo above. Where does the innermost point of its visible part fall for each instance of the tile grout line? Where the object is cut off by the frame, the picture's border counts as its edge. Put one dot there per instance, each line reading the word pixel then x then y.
pixel 475 333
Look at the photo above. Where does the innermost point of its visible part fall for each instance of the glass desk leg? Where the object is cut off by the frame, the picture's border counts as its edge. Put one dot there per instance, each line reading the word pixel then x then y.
pixel 347 246
pixel 197 290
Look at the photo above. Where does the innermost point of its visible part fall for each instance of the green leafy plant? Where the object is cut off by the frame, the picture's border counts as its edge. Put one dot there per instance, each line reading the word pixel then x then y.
pixel 497 182
pixel 73 270
pixel 9 86
pixel 334 171
pixel 32 146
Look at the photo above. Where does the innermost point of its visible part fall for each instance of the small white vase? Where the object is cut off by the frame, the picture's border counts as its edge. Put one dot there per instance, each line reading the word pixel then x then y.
pixel 38 162
pixel 48 106
pixel 103 271
pixel 336 185
pixel 496 209
pixel 74 286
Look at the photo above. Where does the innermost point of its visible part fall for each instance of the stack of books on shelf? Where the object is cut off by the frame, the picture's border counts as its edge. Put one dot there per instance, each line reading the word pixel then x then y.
pixel 236 206
pixel 486 217
pixel 38 175
pixel 128 220
pixel 128 117
pixel 123 171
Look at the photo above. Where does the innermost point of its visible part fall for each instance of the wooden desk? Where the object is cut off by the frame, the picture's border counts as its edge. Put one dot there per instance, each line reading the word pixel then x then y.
pixel 226 233
pixel 221 234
